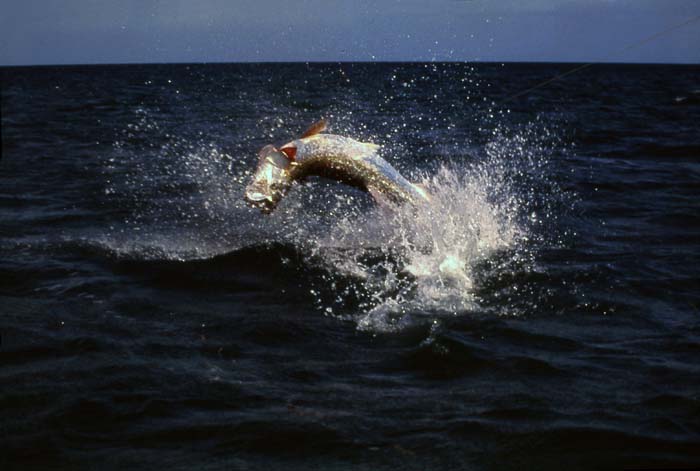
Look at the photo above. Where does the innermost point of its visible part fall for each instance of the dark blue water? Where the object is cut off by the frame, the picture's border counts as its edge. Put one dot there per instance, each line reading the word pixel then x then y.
pixel 543 312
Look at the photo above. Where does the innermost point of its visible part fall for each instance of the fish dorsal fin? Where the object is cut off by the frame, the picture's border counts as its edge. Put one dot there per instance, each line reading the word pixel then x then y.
pixel 316 128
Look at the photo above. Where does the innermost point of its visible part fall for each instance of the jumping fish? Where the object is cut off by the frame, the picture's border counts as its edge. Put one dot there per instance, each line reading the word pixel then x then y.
pixel 331 156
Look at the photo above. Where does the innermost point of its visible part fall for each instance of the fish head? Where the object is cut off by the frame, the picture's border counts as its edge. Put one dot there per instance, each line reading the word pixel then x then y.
pixel 270 181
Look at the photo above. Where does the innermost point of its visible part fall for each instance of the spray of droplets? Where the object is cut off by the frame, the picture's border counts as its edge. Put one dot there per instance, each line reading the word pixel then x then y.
pixel 383 267
pixel 408 261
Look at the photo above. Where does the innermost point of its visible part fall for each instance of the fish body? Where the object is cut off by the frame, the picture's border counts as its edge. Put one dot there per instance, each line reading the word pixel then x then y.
pixel 331 156
pixel 354 163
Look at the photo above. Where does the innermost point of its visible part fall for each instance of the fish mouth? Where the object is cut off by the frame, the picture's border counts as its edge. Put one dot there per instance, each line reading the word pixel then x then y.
pixel 264 203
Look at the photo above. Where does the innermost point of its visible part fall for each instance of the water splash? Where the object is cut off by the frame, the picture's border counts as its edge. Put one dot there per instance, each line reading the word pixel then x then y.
pixel 427 253
pixel 384 268
pixel 420 264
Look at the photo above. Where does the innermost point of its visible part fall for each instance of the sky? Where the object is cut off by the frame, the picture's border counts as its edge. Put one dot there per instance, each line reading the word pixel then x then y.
pixel 34 32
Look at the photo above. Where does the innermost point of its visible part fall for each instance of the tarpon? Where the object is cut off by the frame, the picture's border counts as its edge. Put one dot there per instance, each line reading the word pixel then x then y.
pixel 331 156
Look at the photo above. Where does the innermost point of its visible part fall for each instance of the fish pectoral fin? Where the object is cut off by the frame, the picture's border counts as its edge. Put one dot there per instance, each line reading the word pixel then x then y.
pixel 290 151
pixel 380 198
pixel 316 128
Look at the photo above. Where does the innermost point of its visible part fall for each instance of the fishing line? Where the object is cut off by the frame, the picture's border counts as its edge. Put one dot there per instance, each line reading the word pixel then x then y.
pixel 625 49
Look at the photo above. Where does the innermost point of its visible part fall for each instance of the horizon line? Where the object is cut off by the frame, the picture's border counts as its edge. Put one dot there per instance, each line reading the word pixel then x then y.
pixel 490 62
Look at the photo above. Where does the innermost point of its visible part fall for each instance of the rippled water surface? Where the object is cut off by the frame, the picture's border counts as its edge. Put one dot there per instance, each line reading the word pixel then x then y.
pixel 543 311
